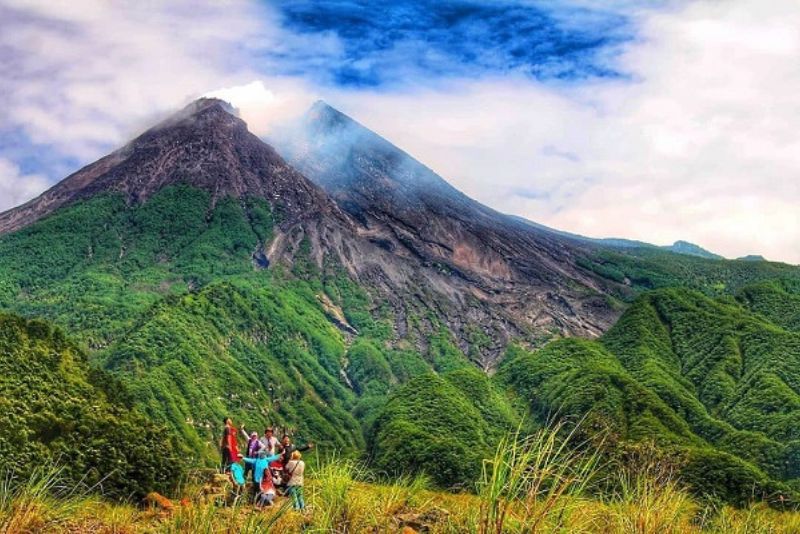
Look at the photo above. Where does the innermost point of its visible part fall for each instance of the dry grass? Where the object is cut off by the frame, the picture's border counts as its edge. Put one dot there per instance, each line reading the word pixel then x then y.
pixel 531 485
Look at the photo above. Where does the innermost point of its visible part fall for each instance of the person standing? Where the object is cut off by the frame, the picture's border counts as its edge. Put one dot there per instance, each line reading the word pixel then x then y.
pixel 288 448
pixel 229 447
pixel 253 449
pixel 295 471
pixel 269 442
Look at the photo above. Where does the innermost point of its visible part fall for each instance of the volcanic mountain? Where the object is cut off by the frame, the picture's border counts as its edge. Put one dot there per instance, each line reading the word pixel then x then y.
pixel 433 255
pixel 205 146
pixel 335 286
pixel 404 207
pixel 349 200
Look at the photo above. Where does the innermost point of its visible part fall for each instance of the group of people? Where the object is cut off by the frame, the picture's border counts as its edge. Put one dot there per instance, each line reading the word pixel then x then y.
pixel 274 466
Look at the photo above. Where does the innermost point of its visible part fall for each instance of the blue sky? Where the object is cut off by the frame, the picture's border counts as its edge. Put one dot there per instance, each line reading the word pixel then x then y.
pixel 384 44
pixel 650 120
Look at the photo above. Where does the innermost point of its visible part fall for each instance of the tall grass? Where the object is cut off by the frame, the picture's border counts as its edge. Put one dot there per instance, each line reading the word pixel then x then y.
pixel 39 500
pixel 650 500
pixel 334 508
pixel 533 482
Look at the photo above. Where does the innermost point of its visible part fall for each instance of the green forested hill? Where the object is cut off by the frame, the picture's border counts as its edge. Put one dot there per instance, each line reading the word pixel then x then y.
pixel 712 379
pixel 650 268
pixel 55 408
pixel 443 425
pixel 97 265
pixel 171 297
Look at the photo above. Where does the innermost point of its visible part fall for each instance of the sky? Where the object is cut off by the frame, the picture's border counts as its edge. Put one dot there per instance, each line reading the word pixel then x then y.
pixel 650 120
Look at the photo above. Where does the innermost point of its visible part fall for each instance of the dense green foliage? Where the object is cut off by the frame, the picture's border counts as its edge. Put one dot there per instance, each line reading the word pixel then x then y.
pixel 240 348
pixel 174 300
pixel 650 268
pixel 171 296
pixel 95 266
pixel 442 425
pixel 709 379
pixel 54 407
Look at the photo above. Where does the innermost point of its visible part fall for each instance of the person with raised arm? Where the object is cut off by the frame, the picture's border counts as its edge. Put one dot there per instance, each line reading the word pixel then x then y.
pixel 253 448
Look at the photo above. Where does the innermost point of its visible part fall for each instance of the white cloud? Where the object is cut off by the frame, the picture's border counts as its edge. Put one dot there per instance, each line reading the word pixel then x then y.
pixel 701 145
pixel 17 187
pixel 265 109
pixel 83 79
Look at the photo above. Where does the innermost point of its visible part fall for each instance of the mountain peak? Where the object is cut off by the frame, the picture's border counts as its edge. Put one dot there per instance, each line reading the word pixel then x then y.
pixel 213 108
pixel 205 145
pixel 690 249
pixel 354 164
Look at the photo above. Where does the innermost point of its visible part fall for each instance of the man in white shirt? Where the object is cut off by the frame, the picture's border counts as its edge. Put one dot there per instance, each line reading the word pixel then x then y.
pixel 269 442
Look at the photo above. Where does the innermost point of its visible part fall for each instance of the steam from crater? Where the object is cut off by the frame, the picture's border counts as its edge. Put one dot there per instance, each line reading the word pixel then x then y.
pixel 266 109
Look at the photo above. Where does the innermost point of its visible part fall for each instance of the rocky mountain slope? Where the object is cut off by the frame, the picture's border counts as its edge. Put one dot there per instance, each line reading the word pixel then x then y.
pixel 490 258
pixel 435 256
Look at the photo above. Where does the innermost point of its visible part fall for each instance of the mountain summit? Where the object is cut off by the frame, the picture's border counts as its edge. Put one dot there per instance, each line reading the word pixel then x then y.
pixel 205 145
pixel 404 206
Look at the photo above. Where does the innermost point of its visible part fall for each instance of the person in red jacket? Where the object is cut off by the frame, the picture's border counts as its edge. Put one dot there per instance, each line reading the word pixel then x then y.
pixel 229 447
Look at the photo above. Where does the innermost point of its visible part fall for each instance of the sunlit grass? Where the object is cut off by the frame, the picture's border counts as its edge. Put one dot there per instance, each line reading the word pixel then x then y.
pixel 532 484
pixel 533 481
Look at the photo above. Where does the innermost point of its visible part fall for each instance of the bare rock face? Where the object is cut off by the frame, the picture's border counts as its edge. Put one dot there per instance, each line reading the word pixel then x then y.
pixel 511 277
pixel 430 254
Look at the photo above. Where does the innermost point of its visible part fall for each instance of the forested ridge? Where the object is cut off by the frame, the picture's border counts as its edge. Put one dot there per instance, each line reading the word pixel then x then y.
pixel 169 302
pixel 56 408
pixel 709 379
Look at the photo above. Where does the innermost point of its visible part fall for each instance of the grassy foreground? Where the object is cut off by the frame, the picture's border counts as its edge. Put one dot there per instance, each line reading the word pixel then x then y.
pixel 365 507
pixel 532 484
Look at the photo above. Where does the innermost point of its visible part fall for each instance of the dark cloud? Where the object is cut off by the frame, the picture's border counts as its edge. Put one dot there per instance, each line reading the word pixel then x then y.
pixel 388 43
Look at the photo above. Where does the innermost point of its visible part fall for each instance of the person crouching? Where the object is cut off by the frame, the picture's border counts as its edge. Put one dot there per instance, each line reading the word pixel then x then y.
pixel 260 466
pixel 266 493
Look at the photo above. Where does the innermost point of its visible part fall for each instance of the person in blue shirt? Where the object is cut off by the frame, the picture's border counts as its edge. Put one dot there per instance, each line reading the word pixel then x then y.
pixel 260 466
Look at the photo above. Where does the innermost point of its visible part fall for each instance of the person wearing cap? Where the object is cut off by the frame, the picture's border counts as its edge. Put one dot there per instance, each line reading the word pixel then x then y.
pixel 269 442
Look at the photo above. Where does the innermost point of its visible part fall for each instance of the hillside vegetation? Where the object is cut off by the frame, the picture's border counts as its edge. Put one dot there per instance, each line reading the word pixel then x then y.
pixel 173 299
pixel 55 408
pixel 344 497
pixel 709 380
pixel 650 268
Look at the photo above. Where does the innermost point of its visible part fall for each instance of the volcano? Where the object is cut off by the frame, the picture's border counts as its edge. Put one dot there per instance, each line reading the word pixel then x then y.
pixel 359 202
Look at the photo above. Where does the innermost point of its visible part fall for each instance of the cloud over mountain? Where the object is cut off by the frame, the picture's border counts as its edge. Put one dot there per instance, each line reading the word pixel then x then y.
pixel 651 121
